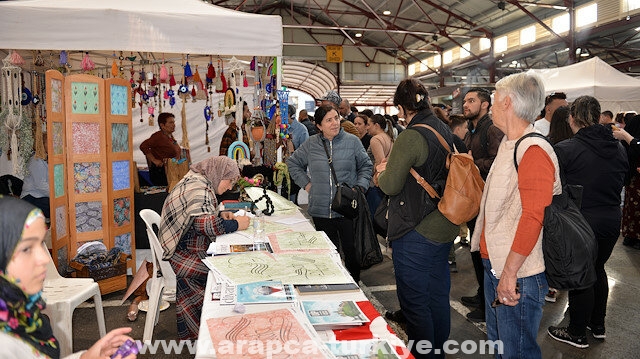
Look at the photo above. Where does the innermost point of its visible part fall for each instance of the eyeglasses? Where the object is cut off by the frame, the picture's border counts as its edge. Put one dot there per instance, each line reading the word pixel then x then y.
pixel 555 96
pixel 496 303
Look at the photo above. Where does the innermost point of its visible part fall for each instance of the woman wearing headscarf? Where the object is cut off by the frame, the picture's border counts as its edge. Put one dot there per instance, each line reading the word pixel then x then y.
pixel 24 332
pixel 190 222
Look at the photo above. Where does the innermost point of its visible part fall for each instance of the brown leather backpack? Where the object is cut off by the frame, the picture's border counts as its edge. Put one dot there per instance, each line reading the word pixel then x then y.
pixel 460 201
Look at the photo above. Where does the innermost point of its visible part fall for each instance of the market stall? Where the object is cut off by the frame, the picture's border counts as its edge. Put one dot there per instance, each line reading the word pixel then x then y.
pixel 163 51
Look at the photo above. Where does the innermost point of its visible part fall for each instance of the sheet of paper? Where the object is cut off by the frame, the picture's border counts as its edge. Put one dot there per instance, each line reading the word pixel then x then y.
pixel 291 220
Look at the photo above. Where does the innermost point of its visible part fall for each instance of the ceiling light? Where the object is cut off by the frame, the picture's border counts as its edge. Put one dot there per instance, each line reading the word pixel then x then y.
pixel 358 34
pixel 386 12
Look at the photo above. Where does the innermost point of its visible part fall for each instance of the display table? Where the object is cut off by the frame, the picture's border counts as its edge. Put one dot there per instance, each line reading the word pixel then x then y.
pixel 377 328
pixel 142 201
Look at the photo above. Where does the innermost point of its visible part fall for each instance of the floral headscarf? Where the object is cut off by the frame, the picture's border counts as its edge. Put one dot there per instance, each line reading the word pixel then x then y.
pixel 20 313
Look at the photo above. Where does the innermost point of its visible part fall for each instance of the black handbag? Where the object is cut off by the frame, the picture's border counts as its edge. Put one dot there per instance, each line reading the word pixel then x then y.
pixel 345 201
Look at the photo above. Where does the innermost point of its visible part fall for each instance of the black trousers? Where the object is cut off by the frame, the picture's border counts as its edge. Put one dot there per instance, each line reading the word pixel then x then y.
pixel 340 231
pixel 589 306
pixel 478 267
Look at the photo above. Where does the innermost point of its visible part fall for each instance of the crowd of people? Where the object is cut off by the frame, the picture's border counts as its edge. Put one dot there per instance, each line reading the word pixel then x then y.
pixel 374 153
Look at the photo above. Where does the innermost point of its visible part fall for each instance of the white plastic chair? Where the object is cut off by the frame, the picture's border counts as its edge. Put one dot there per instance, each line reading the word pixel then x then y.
pixel 62 296
pixel 163 278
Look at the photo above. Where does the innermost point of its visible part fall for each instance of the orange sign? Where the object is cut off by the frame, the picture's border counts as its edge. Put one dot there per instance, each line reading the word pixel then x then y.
pixel 334 53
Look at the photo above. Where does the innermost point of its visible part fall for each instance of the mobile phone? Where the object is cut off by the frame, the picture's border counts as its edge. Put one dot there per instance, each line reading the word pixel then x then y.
pixel 497 302
pixel 127 348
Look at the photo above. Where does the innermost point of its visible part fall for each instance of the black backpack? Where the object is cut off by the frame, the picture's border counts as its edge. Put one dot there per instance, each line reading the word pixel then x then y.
pixel 568 243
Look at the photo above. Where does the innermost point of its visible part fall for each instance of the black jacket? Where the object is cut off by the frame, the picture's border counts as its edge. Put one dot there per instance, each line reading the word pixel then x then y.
pixel 594 159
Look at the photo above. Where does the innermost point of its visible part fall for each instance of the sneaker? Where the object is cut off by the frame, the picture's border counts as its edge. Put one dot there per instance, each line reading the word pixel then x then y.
pixel 476 315
pixel 561 334
pixel 551 295
pixel 472 301
pixel 597 331
pixel 453 268
pixel 464 241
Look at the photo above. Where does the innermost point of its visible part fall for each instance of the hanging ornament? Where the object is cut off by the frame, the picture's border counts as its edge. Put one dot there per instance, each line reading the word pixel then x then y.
pixel 245 83
pixel 223 80
pixel 252 65
pixel 172 79
pixel 187 70
pixel 152 77
pixel 164 75
pixel 172 101
pixel 193 93
pixel 115 71
pixel 63 58
pixel 151 110
pixel 87 63
pixel 197 80
pixel 211 72
pixel 16 59
pixel 37 59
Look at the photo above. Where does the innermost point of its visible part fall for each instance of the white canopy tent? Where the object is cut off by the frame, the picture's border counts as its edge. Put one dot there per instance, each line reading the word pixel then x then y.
pixel 186 26
pixel 149 27
pixel 614 90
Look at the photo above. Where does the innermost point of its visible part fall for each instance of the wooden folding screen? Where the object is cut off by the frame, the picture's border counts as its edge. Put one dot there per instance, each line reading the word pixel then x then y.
pixel 57 158
pixel 120 166
pixel 89 120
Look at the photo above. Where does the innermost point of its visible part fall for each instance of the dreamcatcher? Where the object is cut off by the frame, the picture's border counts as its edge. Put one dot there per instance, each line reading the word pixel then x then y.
pixel 13 121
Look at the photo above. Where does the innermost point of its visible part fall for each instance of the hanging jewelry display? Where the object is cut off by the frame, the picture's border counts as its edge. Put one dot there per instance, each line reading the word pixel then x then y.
pixel 184 93
pixel 15 129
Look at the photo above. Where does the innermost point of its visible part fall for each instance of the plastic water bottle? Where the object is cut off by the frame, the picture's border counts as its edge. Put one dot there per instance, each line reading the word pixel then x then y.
pixel 258 229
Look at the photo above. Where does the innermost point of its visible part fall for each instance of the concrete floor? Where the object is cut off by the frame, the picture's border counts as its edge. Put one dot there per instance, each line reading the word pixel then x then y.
pixel 622 323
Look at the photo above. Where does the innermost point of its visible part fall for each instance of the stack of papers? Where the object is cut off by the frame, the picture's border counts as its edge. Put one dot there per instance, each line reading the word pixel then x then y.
pixel 325 315
pixel 257 293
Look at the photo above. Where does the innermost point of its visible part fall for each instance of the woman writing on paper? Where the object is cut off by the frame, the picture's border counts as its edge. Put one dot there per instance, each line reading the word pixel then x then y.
pixel 24 332
pixel 190 222
pixel 352 166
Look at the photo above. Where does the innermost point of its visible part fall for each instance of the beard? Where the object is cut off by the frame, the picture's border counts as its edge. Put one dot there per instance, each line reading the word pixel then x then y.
pixel 471 115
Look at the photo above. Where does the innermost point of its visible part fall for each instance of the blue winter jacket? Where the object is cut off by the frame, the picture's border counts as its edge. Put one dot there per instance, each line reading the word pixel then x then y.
pixel 350 161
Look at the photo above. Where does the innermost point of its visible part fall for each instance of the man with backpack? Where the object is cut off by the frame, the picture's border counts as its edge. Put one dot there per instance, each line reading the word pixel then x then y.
pixel 482 139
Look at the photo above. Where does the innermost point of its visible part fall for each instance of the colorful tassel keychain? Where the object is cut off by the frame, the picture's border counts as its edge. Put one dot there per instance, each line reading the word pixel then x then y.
pixel 63 58
pixel 172 79
pixel 197 80
pixel 245 83
pixel 211 71
pixel 223 80
pixel 115 71
pixel 187 70
pixel 87 64
pixel 151 110
pixel 164 74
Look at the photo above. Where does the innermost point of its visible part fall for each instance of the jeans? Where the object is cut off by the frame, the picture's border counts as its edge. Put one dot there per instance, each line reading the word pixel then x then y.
pixel 517 327
pixel 423 284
